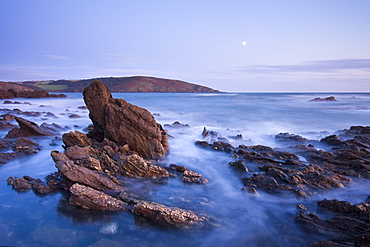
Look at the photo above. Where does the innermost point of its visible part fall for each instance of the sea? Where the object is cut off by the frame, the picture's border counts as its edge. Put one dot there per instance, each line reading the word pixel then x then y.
pixel 239 218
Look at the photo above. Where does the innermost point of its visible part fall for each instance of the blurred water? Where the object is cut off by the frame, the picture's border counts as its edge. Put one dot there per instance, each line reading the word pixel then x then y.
pixel 244 219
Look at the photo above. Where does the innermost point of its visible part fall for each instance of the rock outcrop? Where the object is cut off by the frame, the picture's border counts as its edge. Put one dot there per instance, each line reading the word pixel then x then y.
pixel 80 174
pixel 124 123
pixel 28 128
pixel 10 149
pixel 302 170
pixel 318 99
pixel 350 225
pixel 90 198
pixel 171 217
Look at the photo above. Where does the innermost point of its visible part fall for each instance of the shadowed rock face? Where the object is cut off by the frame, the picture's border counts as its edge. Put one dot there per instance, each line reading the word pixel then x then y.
pixel 124 123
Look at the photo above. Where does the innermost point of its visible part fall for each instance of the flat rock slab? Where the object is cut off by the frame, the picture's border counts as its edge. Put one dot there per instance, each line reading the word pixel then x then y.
pixel 171 217
pixel 90 198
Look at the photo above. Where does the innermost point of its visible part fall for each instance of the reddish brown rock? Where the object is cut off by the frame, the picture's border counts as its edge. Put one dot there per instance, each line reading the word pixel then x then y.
pixel 124 123
pixel 28 128
pixel 90 198
pixel 193 177
pixel 135 166
pixel 79 174
pixel 188 176
pixel 76 138
pixel 171 217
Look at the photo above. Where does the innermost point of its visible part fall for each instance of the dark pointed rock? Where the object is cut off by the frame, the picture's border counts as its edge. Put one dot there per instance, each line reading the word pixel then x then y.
pixel 124 123
pixel 28 128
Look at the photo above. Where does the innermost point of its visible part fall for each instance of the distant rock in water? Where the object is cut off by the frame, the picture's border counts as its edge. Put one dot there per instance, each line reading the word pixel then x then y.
pixel 318 99
pixel 124 123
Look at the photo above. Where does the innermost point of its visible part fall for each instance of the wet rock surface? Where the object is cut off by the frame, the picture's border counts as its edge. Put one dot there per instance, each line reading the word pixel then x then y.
pixel 171 217
pixel 188 176
pixel 350 227
pixel 53 182
pixel 90 198
pixel 54 236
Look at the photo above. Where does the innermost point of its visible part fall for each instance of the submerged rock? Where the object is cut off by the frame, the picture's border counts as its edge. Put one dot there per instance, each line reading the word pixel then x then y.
pixel 55 236
pixel 124 123
pixel 110 228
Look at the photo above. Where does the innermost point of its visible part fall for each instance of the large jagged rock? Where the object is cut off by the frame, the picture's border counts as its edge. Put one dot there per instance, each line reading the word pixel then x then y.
pixel 79 174
pixel 124 123
pixel 90 198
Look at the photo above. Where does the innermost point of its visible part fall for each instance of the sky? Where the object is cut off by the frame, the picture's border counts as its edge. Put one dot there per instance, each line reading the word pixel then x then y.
pixel 232 46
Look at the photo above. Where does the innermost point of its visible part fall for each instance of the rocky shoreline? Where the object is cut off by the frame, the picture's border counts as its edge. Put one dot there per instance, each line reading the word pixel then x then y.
pixel 126 141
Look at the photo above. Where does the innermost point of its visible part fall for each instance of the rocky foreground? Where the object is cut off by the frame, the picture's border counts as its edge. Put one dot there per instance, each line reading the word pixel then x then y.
pixel 126 141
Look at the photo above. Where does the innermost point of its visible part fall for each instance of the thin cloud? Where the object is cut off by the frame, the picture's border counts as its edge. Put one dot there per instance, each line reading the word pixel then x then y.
pixel 322 66
pixel 55 57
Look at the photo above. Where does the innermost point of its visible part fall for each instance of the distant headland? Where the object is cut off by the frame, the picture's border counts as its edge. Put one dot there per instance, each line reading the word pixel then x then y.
pixel 133 84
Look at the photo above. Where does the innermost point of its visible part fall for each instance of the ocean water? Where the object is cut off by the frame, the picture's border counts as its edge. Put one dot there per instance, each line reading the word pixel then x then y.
pixel 242 219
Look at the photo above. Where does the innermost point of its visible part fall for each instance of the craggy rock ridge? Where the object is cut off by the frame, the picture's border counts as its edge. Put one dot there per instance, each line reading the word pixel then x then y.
pixel 117 120
pixel 302 170
pixel 94 166
pixel 349 227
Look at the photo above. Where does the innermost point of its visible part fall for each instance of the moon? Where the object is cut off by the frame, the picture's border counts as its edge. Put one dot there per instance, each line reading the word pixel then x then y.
pixel 244 43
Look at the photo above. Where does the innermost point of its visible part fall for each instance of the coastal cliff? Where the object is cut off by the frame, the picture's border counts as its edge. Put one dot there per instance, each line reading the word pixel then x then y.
pixel 134 84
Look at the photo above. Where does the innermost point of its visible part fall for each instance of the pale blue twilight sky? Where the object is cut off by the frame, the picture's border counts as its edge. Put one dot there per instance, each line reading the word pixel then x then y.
pixel 291 45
